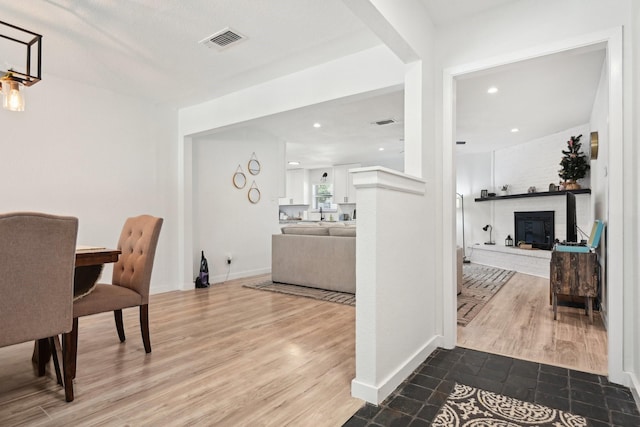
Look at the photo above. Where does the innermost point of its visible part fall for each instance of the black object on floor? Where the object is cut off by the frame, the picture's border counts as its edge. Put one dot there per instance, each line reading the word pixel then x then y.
pixel 419 398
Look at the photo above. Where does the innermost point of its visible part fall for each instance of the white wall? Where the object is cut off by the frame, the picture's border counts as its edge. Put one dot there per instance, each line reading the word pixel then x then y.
pixel 474 173
pixel 633 338
pixel 536 163
pixel 224 219
pixel 502 30
pixel 362 72
pixel 97 155
pixel 366 71
pixel 533 163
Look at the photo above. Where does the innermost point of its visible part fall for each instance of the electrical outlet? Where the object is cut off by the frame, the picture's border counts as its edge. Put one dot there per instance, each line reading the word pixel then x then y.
pixel 229 258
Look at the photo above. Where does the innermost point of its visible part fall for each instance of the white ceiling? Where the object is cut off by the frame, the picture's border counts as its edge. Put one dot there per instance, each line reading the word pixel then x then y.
pixel 149 49
pixel 444 12
pixel 539 97
pixel 347 134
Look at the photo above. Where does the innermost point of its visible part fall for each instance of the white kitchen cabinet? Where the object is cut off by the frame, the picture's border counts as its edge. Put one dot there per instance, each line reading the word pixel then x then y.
pixel 297 188
pixel 343 189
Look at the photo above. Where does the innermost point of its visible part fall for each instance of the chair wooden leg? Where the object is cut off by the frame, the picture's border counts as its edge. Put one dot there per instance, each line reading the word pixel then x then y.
pixel 117 314
pixel 74 347
pixel 41 355
pixel 144 327
pixel 54 344
pixel 69 349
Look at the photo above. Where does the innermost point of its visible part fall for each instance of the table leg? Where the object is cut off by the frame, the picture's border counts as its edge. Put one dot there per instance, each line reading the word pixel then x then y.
pixel 589 304
pixel 555 306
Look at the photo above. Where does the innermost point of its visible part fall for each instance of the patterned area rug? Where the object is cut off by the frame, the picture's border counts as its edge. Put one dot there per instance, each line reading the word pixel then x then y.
pixel 480 284
pixel 468 406
pixel 303 291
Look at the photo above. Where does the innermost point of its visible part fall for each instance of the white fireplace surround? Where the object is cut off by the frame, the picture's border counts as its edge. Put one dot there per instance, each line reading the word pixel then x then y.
pixel 535 262
pixel 528 261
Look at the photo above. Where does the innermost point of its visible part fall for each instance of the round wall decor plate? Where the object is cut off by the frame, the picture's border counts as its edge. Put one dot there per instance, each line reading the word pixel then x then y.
pixel 239 179
pixel 254 165
pixel 254 195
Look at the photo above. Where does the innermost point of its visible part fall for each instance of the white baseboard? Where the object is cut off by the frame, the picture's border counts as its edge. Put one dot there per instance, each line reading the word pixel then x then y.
pixel 164 287
pixel 221 278
pixel 218 279
pixel 635 388
pixel 377 393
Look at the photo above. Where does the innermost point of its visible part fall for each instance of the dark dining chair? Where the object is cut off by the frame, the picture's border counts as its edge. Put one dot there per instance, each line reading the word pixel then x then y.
pixel 37 259
pixel 129 287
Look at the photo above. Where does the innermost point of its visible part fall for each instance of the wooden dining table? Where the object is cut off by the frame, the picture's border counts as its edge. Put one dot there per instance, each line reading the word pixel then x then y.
pixel 89 263
pixel 92 255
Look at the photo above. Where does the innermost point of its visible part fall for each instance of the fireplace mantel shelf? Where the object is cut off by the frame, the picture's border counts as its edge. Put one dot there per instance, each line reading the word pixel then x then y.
pixel 541 194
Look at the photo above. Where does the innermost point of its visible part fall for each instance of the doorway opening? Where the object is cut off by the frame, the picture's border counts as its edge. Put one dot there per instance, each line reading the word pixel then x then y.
pixel 490 212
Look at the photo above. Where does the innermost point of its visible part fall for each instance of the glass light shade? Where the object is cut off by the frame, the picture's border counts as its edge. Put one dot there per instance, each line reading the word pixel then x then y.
pixel 12 99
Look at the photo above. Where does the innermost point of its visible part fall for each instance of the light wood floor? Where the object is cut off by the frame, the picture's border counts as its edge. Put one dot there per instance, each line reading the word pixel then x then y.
pixel 518 322
pixel 231 356
pixel 224 356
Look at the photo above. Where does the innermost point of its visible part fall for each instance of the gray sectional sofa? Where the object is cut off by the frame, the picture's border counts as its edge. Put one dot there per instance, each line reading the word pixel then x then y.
pixel 322 255
pixel 318 255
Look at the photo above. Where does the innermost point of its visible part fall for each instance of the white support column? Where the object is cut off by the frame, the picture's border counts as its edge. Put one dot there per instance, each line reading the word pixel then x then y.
pixel 395 307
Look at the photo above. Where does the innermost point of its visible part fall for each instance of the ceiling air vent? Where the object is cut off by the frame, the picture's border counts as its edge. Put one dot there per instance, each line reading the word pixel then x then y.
pixel 223 39
pixel 384 122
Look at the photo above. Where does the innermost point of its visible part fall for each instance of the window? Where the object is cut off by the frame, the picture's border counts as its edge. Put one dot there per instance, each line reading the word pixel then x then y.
pixel 323 197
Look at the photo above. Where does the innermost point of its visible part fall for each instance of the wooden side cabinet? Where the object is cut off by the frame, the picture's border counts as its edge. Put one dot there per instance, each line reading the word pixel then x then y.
pixel 574 274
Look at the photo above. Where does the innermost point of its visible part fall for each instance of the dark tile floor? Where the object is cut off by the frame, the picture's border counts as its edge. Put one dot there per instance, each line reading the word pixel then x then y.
pixel 419 398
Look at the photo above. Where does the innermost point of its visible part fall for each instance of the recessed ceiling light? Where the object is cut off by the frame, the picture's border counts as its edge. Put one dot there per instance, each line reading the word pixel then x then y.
pixel 381 149
pixel 294 163
pixel 316 125
pixel 492 89
pixel 514 130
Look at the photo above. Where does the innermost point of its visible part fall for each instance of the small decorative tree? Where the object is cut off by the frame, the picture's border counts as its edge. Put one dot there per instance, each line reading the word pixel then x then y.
pixel 574 164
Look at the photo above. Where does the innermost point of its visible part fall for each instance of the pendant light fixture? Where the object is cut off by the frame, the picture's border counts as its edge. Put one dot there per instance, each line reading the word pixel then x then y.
pixel 12 97
pixel 13 80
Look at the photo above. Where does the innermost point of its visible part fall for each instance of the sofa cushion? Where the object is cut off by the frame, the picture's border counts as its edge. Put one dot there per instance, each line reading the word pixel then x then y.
pixel 330 224
pixel 302 224
pixel 349 231
pixel 307 231
pixel 298 224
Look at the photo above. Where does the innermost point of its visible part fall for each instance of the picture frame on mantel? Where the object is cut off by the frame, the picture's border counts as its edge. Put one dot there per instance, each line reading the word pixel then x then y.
pixel 484 194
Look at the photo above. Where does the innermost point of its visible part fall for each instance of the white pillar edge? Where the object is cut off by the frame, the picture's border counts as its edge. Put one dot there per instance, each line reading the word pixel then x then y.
pixel 381 177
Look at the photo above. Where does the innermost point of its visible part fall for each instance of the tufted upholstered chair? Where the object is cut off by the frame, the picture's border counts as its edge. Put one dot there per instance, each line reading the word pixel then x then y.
pixel 129 286
pixel 37 260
